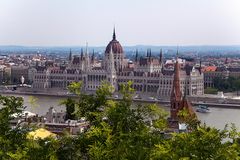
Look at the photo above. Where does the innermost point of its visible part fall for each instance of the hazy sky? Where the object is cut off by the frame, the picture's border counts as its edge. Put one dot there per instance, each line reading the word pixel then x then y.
pixel 155 22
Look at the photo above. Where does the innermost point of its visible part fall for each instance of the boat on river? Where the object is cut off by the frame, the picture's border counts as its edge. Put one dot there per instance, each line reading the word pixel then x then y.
pixel 203 109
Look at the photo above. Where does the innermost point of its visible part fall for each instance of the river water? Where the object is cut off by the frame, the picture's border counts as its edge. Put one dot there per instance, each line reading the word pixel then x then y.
pixel 218 117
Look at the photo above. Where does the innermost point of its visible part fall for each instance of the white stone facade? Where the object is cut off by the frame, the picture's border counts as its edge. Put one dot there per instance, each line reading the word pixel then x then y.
pixel 148 75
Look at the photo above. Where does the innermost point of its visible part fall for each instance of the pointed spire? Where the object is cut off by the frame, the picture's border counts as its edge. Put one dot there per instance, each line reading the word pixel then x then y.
pixel 176 95
pixel 176 91
pixel 177 103
pixel 93 56
pixel 114 34
pixel 148 52
pixel 86 53
pixel 160 57
pixel 136 57
pixel 149 55
pixel 81 54
pixel 70 55
pixel 177 53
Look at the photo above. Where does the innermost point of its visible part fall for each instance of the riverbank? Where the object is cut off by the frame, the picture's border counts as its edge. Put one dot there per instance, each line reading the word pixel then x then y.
pixel 201 100
pixel 36 93
pixel 219 116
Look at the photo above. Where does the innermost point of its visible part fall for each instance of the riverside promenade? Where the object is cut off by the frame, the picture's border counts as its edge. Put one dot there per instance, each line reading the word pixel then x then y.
pixel 211 101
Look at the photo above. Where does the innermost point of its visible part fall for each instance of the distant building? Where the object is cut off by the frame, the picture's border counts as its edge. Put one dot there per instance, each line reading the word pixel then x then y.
pixel 213 72
pixel 31 73
pixel 148 73
pixel 52 116
pixel 2 72
pixel 17 72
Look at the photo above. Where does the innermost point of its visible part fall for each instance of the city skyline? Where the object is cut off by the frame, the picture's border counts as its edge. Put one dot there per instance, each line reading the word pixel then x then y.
pixel 64 23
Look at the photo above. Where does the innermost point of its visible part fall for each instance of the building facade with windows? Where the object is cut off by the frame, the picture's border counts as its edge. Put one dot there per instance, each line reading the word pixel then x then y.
pixel 148 74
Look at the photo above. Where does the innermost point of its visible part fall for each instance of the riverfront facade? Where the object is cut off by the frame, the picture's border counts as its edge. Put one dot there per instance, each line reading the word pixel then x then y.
pixel 148 74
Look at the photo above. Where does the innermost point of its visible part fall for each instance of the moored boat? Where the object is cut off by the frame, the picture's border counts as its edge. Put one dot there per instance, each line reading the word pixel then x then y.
pixel 202 109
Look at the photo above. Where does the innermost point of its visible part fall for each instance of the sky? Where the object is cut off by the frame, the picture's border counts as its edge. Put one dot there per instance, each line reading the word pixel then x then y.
pixel 146 22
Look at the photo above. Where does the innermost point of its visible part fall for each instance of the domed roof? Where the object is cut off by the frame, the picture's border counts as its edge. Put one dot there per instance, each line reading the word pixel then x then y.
pixel 114 44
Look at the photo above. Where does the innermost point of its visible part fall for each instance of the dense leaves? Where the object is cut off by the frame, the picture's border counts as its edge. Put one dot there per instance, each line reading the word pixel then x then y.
pixel 229 84
pixel 118 130
pixel 210 90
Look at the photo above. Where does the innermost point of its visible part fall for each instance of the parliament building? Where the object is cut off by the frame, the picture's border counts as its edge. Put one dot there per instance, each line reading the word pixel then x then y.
pixel 148 74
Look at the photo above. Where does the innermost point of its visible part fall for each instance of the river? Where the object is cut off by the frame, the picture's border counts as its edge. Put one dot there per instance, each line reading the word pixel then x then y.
pixel 218 117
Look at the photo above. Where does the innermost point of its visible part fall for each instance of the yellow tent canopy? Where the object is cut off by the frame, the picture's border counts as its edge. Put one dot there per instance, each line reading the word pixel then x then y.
pixel 40 133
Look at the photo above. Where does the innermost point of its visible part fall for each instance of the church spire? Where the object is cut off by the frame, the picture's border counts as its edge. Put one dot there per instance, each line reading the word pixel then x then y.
pixel 176 91
pixel 177 102
pixel 136 57
pixel 177 53
pixel 150 55
pixel 81 54
pixel 176 95
pixel 70 55
pixel 114 34
pixel 160 57
pixel 93 56
pixel 87 57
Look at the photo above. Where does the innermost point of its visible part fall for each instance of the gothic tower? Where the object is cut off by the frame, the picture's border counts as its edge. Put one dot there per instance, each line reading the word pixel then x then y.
pixel 177 102
pixel 176 95
pixel 70 56
pixel 87 60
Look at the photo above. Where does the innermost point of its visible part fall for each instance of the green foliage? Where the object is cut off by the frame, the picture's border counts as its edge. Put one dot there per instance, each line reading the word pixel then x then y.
pixel 210 90
pixel 33 101
pixel 127 91
pixel 118 130
pixel 201 144
pixel 229 84
pixel 70 108
pixel 10 139
pixel 75 88
pixel 119 127
pixel 189 119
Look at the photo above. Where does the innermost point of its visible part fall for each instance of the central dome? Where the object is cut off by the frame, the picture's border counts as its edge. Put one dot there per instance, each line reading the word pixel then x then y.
pixel 114 44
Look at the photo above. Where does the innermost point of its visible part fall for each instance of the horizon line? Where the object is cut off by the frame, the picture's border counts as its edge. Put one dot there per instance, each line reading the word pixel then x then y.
pixel 190 45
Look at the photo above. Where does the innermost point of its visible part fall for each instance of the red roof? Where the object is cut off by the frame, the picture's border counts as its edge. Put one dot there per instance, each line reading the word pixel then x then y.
pixel 210 69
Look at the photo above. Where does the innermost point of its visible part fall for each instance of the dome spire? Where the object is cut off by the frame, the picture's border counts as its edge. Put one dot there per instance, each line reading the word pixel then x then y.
pixel 114 34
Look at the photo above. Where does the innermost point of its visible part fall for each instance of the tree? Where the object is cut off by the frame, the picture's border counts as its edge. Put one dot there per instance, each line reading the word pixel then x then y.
pixel 236 85
pixel 229 84
pixel 189 119
pixel 10 138
pixel 210 90
pixel 70 108
pixel 33 101
pixel 118 130
pixel 202 143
